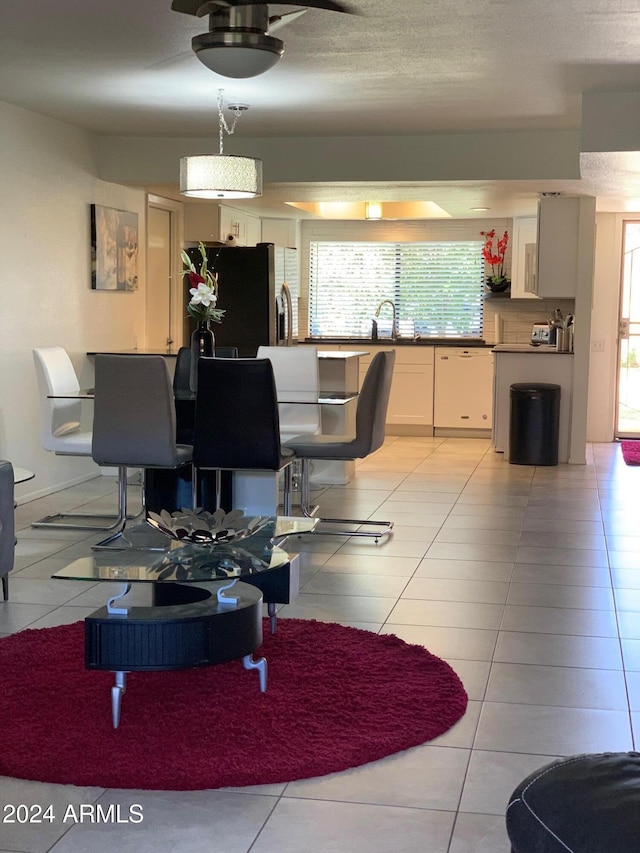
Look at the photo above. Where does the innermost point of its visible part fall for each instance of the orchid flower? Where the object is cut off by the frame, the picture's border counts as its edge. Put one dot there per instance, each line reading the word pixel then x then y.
pixel 203 295
pixel 495 258
pixel 203 290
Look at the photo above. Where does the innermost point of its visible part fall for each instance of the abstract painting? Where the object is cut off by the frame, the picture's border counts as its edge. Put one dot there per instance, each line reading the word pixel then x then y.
pixel 114 248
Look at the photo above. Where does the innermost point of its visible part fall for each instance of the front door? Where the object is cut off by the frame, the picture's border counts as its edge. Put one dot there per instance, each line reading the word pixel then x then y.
pixel 628 410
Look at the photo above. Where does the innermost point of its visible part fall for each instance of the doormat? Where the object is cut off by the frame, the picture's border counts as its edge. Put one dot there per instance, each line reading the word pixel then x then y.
pixel 631 452
pixel 337 697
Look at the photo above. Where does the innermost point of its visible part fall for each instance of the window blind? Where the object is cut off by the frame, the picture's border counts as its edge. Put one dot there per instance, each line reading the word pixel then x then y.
pixel 437 288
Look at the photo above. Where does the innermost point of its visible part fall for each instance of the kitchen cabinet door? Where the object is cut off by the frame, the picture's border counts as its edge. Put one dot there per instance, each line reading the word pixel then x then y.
pixel 253 230
pixel 410 409
pixel 566 237
pixel 231 224
pixel 523 257
pixel 201 222
pixel 243 226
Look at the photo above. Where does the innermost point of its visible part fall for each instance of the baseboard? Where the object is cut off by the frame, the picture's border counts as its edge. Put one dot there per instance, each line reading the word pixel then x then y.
pixel 452 432
pixel 409 429
pixel 51 490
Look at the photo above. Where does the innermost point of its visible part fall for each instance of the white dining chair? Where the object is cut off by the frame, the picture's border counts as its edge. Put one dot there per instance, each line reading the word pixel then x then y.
pixel 62 433
pixel 295 369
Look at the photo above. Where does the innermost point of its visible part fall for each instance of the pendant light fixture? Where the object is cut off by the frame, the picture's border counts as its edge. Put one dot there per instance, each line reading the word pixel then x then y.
pixel 222 175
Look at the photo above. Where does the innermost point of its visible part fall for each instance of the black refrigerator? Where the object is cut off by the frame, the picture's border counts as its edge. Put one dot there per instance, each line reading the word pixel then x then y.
pixel 258 290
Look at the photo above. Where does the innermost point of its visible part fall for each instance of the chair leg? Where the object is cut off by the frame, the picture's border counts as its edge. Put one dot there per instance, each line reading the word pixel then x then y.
pixel 122 511
pixel 218 488
pixel 194 487
pixel 307 510
pixel 5 587
pixel 56 520
pixel 288 488
pixel 383 527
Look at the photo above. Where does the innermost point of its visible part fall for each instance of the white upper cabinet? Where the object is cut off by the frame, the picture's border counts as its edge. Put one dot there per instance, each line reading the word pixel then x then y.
pixel 201 222
pixel 523 257
pixel 280 232
pixel 245 227
pixel 565 235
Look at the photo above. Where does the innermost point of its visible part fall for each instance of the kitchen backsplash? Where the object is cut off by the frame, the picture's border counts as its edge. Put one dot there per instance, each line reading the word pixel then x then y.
pixel 509 321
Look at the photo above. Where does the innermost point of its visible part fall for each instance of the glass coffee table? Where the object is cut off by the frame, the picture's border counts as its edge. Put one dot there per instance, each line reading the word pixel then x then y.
pixel 206 603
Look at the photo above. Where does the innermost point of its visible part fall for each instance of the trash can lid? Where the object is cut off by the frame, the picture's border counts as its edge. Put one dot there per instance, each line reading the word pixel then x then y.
pixel 526 388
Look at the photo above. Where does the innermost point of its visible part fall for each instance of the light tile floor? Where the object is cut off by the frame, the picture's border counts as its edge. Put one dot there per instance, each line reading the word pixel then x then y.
pixel 527 580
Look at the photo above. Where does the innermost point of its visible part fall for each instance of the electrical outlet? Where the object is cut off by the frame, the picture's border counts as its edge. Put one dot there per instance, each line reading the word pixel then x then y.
pixel 597 345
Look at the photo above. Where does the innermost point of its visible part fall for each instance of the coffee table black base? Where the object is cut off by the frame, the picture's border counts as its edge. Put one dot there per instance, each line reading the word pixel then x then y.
pixel 176 636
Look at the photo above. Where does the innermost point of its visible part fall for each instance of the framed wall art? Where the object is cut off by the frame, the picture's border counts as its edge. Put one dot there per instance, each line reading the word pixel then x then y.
pixel 114 249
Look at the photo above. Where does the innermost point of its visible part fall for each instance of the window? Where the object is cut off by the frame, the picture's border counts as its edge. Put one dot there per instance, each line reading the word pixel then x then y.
pixel 436 287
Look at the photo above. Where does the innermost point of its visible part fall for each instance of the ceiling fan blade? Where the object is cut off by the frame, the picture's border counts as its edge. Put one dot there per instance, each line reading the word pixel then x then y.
pixel 329 5
pixel 199 8
pixel 277 21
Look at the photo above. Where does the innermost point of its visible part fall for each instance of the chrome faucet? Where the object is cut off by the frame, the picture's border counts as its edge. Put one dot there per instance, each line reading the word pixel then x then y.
pixel 394 324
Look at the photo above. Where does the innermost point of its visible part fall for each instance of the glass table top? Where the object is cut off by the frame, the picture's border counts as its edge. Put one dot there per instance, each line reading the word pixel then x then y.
pixel 187 562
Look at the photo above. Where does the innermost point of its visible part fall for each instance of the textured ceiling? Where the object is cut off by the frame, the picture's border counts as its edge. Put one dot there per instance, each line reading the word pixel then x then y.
pixel 411 67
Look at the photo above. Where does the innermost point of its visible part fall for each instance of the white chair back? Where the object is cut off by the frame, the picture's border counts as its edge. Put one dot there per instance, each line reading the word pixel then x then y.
pixel 60 419
pixel 295 369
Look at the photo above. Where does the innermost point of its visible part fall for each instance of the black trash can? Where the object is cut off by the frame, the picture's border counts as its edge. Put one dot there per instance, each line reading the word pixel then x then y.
pixel 534 424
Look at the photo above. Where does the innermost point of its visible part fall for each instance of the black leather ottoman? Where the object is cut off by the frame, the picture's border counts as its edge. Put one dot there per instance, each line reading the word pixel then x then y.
pixel 582 804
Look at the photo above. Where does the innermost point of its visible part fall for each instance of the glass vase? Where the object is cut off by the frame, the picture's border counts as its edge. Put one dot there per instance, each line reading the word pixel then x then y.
pixel 202 344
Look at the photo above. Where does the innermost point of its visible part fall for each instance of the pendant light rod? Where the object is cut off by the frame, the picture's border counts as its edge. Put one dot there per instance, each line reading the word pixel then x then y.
pixel 236 109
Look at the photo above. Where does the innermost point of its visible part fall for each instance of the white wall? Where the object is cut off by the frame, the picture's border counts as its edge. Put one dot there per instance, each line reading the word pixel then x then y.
pixel 47 176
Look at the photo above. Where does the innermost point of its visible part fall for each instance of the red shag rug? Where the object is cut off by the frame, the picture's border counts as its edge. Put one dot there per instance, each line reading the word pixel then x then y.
pixel 337 697
pixel 631 452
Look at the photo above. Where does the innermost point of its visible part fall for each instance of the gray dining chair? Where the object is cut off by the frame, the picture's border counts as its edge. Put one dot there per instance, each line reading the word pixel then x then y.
pixel 134 422
pixel 7 525
pixel 371 413
pixel 62 432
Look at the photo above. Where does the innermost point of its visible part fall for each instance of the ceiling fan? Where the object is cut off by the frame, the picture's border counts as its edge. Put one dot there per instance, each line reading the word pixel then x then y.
pixel 239 42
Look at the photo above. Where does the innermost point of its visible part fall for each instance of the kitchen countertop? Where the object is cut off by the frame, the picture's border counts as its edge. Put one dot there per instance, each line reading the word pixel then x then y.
pixel 402 342
pixel 543 349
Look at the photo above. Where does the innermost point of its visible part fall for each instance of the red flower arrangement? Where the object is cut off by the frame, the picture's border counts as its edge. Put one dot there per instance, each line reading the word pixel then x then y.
pixel 495 258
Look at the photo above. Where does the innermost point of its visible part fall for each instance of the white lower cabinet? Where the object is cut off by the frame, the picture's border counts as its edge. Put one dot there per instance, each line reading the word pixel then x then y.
pixel 410 409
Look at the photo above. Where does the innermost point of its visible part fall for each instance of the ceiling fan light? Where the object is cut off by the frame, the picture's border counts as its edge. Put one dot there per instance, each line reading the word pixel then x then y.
pixel 237 55
pixel 220 176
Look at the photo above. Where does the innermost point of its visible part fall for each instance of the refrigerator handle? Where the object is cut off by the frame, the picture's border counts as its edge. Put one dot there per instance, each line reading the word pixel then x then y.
pixel 286 293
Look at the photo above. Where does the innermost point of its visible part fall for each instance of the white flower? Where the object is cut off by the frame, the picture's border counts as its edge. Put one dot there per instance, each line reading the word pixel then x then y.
pixel 203 295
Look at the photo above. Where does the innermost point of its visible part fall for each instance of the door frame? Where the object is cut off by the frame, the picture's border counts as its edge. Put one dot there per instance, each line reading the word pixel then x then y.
pixel 618 433
pixel 176 301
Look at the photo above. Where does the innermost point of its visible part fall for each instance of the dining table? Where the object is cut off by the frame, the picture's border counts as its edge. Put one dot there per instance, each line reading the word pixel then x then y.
pixel 254 492
pixel 339 384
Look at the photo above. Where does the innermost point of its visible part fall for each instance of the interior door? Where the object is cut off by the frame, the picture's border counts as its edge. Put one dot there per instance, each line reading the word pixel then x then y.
pixel 628 409
pixel 158 298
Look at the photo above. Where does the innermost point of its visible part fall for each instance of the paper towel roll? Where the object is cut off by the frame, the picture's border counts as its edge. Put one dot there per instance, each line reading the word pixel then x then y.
pixel 497 329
